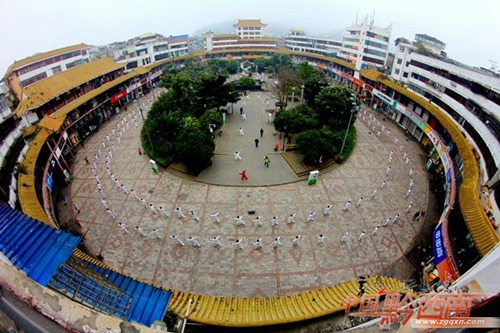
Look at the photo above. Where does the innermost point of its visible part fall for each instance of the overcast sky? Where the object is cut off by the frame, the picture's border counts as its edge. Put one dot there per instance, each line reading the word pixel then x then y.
pixel 470 29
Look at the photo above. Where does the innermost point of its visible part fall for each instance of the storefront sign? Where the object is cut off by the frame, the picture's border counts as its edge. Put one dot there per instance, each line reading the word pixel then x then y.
pixel 359 83
pixel 446 274
pixel 116 97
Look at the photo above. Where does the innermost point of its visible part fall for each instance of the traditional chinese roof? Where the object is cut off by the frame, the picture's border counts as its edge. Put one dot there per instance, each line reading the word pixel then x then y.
pixel 249 23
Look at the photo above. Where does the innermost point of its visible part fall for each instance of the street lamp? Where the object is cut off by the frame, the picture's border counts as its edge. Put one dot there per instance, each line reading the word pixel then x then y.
pixel 293 96
pixel 354 107
pixel 284 137
pixel 302 94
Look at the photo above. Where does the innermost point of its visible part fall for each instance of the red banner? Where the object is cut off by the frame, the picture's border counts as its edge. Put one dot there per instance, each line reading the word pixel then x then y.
pixel 116 97
pixel 446 274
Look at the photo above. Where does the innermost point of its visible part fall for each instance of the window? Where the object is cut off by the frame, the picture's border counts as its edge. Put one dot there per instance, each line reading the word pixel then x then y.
pixel 56 69
pixel 397 71
pixel 405 74
pixel 401 49
pixel 400 61
pixel 3 104
pixel 407 64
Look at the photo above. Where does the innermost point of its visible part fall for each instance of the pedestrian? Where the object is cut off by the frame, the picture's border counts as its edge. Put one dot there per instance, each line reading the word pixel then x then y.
pixel 237 156
pixel 390 159
pixel 75 207
pixel 388 170
pixel 410 173
pixel 216 241
pixel 310 217
pixel 408 193
pixel 267 161
pixel 277 147
pixel 243 175
pixel 144 203
pixel 391 154
pixel 110 154
pixel 257 244
pixel 327 210
pixel 178 213
pixel 274 221
pixel 86 160
pixel 237 244
pixel 110 213
pixel 101 192
pixel 163 212
pixel 396 140
pixel 344 237
pixel 359 202
pixel 261 132
pixel 405 155
pixel 194 216
pixel 244 116
pixel 296 240
pixel 193 241
pixel 139 151
pixel 123 188
pixel 105 204
pixel 387 222
pixel 241 111
pixel 257 221
pixel 376 229
pixel 291 218
pixel 107 137
pixel 378 133
pixel 152 209
pixel 215 217
pixel 238 220
pixel 347 205
pixel 411 183
pixel 396 218
pixel 119 139
pixel 134 194
pixel 409 206
pixel 177 240
pixel 241 132
pixel 276 242
pixel 256 143
pixel 407 160
pixel 374 193
pixel 383 184
pixel 156 233
pixel 361 236
pixel 320 239
pixel 123 226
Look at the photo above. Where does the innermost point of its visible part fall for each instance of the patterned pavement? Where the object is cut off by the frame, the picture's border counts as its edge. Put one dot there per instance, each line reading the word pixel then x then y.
pixel 274 191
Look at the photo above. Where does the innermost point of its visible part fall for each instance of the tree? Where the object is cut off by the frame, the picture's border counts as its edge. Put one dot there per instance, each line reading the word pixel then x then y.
pixel 281 88
pixel 163 130
pixel 195 148
pixel 296 120
pixel 334 106
pixel 314 144
pixel 211 117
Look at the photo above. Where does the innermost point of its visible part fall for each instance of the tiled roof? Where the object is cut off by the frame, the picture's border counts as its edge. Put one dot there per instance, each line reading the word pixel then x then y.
pixel 47 89
pixel 249 23
pixel 44 55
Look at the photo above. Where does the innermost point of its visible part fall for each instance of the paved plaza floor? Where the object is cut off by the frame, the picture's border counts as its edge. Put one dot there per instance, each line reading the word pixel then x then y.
pixel 273 191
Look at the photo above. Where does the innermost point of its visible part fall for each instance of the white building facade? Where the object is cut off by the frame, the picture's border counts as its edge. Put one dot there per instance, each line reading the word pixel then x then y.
pixel 298 41
pixel 366 45
pixel 469 96
pixel 250 28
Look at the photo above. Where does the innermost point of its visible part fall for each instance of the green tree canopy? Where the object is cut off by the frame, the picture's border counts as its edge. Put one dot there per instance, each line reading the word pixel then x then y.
pixel 334 105
pixel 195 148
pixel 296 120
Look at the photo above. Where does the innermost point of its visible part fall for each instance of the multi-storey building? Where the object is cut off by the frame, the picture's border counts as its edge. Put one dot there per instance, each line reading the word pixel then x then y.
pixel 469 96
pixel 32 69
pixel 297 40
pixel 366 45
pixel 249 34
pixel 250 28
pixel 149 48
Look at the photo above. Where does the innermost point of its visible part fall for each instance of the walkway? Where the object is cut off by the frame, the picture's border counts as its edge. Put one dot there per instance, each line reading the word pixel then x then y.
pixel 224 271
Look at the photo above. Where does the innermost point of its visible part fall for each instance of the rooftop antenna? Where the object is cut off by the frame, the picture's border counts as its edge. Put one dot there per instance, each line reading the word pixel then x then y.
pixel 373 18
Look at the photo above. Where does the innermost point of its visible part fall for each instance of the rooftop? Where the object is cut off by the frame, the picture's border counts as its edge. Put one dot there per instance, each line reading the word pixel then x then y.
pixel 43 55
pixel 249 23
pixel 47 89
pixel 429 39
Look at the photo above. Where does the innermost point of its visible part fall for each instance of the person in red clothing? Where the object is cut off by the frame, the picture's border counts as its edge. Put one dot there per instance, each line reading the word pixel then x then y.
pixel 243 175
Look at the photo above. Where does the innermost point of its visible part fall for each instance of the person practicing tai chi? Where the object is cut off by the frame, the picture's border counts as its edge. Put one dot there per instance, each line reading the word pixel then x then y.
pixel 193 241
pixel 177 240
pixel 327 210
pixel 296 240
pixel 243 175
pixel 215 217
pixel 311 217
pixel 157 234
pixel 257 244
pixel 123 226
pixel 237 156
pixel 163 212
pixel 291 218
pixel 274 221
pixel 276 242
pixel 241 132
pixel 194 216
pixel 376 229
pixel 359 202
pixel 237 244
pixel 152 209
pixel 258 221
pixel 320 239
pixel 140 230
pixel 344 237
pixel 179 213
pixel 361 236
pixel 238 220
pixel 216 241
pixel 347 205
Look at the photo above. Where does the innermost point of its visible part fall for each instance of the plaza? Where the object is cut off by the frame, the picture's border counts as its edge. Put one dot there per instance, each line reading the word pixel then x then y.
pixel 273 191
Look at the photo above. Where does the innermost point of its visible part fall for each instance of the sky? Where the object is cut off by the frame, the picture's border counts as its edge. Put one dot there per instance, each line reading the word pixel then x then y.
pixel 470 29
